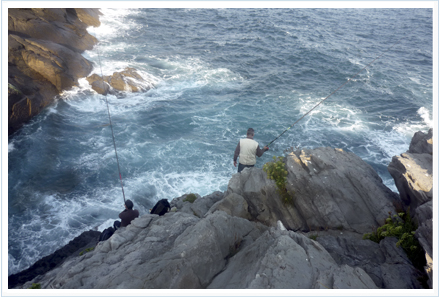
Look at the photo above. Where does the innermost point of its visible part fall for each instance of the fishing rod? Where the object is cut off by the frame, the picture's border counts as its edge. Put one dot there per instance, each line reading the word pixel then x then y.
pixel 335 91
pixel 111 126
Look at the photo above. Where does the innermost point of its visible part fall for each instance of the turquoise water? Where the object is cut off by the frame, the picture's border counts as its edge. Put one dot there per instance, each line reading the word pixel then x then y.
pixel 216 72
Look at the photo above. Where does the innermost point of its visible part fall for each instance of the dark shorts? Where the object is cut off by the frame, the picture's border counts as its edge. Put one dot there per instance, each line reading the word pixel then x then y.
pixel 241 167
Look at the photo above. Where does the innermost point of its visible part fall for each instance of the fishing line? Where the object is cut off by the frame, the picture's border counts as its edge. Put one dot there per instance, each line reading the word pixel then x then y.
pixel 111 126
pixel 335 91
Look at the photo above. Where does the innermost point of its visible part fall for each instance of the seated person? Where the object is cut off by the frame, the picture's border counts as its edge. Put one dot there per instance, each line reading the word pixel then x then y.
pixel 127 215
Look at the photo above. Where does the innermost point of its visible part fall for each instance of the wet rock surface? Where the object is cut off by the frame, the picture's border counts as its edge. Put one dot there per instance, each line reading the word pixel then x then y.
pixel 128 80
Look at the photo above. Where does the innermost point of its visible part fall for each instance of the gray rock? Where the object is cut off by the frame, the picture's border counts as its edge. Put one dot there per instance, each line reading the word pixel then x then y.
pixel 423 216
pixel 387 265
pixel 200 206
pixel 244 238
pixel 412 173
pixel 176 250
pixel 287 260
pixel 332 189
pixel 233 205
pixel 421 143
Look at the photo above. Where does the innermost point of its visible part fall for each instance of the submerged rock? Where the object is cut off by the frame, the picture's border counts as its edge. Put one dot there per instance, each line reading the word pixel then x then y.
pixel 128 80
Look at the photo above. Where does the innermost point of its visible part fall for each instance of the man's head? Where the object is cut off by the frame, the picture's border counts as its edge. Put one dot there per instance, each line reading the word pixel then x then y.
pixel 128 204
pixel 250 132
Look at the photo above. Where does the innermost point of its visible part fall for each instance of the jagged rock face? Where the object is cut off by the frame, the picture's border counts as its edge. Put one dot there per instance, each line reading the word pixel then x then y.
pixel 412 173
pixel 179 250
pixel 332 189
pixel 128 80
pixel 231 239
pixel 44 57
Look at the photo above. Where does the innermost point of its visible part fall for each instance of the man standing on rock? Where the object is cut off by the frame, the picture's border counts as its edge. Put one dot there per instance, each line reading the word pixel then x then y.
pixel 127 215
pixel 246 150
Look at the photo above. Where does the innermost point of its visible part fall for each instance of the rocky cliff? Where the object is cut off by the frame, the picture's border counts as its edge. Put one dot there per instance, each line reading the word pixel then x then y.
pixel 44 57
pixel 247 237
pixel 412 173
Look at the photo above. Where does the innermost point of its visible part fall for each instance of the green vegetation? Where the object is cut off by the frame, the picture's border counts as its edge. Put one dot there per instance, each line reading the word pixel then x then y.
pixel 313 237
pixel 403 228
pixel 276 171
pixel 190 198
pixel 86 251
pixel 35 286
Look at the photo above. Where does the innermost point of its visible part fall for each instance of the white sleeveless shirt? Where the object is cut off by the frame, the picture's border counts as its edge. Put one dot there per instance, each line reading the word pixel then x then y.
pixel 248 150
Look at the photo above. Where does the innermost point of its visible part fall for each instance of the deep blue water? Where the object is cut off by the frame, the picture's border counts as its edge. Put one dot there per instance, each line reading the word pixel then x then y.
pixel 216 72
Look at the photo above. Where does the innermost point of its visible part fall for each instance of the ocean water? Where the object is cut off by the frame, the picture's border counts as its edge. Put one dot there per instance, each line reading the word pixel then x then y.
pixel 215 73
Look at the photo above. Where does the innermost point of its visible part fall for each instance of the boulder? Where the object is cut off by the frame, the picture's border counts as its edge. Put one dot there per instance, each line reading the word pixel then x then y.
pixel 412 174
pixel 128 80
pixel 412 171
pixel 233 205
pixel 331 189
pixel 421 143
pixel 200 206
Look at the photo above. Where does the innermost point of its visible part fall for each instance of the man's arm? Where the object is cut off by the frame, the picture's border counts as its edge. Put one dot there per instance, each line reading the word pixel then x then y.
pixel 236 153
pixel 260 152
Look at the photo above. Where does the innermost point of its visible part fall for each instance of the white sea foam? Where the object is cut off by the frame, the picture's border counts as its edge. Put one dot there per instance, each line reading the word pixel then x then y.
pixel 10 147
pixel 425 115
pixel 106 224
pixel 113 23
pixel 410 127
